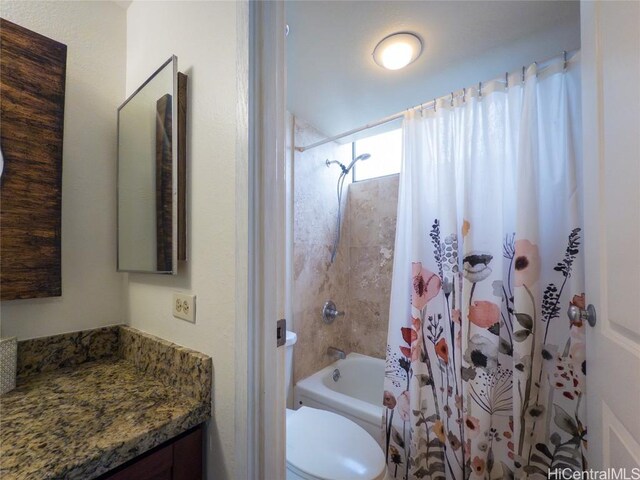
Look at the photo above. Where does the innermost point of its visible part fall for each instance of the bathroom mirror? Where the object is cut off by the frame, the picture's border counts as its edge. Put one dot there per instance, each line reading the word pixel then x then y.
pixel 151 163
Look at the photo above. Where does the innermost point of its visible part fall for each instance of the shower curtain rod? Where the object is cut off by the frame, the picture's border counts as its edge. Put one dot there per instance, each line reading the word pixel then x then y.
pixel 382 121
pixel 427 105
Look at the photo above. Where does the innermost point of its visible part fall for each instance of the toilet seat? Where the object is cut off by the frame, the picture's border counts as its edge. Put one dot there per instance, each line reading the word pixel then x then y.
pixel 324 445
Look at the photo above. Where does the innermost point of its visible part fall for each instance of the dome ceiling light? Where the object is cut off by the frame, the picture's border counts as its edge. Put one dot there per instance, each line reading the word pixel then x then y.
pixel 397 50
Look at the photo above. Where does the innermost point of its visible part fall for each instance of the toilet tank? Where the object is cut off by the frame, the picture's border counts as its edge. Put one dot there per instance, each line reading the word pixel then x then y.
pixel 288 362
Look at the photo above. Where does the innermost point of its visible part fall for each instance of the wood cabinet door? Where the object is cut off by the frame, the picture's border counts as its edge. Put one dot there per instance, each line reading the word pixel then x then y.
pixel 155 466
pixel 178 459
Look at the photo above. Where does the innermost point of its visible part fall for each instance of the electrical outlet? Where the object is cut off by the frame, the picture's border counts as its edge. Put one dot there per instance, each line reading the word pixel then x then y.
pixel 184 307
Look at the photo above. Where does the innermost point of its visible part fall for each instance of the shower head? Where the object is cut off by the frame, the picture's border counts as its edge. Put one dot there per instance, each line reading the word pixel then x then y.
pixel 346 170
pixel 364 156
pixel 341 180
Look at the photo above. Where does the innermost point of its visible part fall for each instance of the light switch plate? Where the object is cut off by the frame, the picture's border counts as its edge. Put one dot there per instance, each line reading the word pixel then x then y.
pixel 184 307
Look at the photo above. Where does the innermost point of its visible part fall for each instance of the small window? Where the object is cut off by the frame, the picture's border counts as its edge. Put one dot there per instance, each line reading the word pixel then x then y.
pixel 386 155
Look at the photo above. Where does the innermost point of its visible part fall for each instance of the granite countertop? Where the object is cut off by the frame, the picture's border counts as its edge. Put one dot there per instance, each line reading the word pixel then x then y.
pixel 80 421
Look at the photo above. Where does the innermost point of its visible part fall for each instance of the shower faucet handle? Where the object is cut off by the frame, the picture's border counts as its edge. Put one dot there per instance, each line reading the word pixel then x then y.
pixel 330 312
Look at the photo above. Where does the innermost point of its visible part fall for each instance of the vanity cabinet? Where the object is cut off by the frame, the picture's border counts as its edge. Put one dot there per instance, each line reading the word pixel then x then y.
pixel 177 459
pixel 32 90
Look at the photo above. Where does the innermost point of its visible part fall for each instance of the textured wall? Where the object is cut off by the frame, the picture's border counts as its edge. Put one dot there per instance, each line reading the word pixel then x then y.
pixel 203 36
pixel 95 34
pixel 359 280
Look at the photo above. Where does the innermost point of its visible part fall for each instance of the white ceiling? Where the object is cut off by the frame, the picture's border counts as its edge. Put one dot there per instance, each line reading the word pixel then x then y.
pixel 334 84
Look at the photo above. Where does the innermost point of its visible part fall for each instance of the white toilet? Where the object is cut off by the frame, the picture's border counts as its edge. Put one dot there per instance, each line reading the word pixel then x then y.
pixel 322 445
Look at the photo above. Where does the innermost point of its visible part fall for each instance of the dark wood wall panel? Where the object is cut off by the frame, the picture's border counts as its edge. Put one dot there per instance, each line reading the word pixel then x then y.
pixel 182 166
pixel 32 87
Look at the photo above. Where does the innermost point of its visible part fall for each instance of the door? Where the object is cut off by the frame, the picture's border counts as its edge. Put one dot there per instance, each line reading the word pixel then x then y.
pixel 267 233
pixel 611 132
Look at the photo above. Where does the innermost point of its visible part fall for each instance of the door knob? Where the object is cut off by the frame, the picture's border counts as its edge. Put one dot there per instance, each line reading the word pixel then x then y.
pixel 576 313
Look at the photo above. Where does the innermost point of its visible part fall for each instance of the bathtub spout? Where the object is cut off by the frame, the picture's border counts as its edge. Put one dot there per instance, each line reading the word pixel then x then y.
pixel 336 353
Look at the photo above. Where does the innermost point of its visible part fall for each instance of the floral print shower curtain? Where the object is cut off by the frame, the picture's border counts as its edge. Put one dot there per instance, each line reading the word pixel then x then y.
pixel 485 372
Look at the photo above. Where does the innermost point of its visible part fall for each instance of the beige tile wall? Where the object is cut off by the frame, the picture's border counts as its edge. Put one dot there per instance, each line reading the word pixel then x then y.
pixel 371 227
pixel 359 280
pixel 316 280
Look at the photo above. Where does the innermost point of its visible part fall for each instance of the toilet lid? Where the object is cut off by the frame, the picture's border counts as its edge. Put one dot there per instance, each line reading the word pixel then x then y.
pixel 324 445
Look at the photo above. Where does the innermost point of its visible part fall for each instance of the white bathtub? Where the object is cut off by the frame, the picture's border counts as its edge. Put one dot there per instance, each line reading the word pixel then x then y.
pixel 356 395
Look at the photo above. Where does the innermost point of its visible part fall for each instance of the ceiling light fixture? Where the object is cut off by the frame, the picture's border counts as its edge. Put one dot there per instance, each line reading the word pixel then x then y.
pixel 397 50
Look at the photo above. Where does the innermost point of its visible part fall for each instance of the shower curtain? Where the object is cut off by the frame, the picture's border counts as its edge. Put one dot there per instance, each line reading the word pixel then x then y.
pixel 485 372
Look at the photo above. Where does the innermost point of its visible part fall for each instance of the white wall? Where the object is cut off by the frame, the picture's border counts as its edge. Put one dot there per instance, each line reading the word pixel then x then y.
pixel 95 35
pixel 203 36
